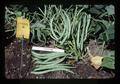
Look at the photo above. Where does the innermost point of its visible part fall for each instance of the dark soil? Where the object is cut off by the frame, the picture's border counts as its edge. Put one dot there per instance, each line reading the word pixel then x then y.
pixel 13 55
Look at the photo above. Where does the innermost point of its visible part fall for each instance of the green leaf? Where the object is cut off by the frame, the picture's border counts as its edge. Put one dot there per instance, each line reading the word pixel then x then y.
pixel 99 6
pixel 95 11
pixel 110 9
pixel 18 14
pixel 85 6
pixel 110 30
pixel 109 62
pixel 111 36
pixel 38 25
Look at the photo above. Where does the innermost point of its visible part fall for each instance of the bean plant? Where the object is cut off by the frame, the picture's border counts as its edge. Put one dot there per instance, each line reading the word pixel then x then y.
pixel 69 28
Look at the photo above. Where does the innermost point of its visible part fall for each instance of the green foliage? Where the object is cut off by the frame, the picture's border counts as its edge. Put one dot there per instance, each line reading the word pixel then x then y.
pixel 109 62
pixel 110 9
pixel 103 23
pixel 102 10
pixel 39 31
pixel 107 26
pixel 68 27
pixel 108 34
pixel 72 26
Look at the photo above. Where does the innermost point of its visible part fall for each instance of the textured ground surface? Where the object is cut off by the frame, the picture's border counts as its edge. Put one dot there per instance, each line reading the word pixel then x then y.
pixel 13 70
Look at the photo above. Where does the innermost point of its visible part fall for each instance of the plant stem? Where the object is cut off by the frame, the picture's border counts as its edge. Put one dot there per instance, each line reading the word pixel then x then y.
pixel 102 48
pixel 88 51
pixel 21 63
